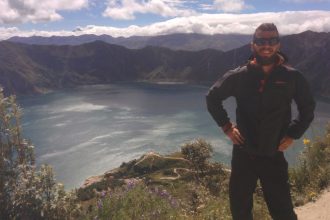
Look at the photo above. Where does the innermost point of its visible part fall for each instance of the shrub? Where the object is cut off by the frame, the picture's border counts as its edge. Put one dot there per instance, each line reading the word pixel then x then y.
pixel 197 152
pixel 26 193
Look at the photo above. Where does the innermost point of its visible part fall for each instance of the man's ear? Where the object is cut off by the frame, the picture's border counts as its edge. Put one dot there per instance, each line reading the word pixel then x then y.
pixel 278 46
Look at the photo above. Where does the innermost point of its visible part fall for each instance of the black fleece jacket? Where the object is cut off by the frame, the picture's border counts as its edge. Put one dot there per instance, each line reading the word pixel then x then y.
pixel 263 114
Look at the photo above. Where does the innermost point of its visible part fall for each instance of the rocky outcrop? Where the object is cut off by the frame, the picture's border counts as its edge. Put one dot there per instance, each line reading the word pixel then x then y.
pixel 150 167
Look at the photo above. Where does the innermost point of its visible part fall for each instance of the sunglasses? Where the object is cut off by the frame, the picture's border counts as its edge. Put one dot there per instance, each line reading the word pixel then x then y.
pixel 263 41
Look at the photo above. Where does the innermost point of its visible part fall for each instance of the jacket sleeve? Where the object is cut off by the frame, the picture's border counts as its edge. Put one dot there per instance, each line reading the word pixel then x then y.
pixel 222 89
pixel 305 105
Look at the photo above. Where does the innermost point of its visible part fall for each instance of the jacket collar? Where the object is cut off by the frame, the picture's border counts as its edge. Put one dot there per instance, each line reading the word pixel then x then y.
pixel 281 59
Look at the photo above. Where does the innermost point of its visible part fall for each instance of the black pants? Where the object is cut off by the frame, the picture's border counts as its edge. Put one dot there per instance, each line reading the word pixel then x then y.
pixel 273 175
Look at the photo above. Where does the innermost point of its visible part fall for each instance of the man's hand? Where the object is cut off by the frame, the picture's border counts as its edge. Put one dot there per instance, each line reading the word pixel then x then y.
pixel 235 136
pixel 285 143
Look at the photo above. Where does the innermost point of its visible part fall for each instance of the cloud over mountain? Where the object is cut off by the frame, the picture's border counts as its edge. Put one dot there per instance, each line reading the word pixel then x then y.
pixel 289 22
pixel 21 11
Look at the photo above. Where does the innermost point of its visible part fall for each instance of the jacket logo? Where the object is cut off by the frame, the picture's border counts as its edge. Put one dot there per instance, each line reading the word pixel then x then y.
pixel 280 82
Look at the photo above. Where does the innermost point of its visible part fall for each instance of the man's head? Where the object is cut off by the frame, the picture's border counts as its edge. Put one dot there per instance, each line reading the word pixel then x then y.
pixel 266 43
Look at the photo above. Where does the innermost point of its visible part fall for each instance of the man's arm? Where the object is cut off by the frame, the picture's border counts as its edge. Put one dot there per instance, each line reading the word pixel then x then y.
pixel 221 90
pixel 305 105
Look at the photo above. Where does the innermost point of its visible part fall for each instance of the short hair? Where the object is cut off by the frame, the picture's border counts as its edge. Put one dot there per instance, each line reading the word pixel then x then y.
pixel 266 27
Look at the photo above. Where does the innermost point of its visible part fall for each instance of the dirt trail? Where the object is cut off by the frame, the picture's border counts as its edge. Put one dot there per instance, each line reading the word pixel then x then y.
pixel 318 210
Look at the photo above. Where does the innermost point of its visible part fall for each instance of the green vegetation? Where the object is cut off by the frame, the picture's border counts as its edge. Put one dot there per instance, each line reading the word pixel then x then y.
pixel 197 152
pixel 184 185
pixel 313 173
pixel 135 201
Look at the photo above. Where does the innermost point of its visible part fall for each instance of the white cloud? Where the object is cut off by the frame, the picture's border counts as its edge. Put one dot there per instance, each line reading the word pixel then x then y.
pixel 6 33
pixel 230 5
pixel 126 9
pixel 21 11
pixel 289 22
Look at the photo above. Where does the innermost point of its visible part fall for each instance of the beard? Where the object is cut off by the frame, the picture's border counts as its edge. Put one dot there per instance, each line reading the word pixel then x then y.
pixel 264 61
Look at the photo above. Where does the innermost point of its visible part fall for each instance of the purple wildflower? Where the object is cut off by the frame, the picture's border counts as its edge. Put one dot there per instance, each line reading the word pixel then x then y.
pixel 99 204
pixel 164 193
pixel 130 184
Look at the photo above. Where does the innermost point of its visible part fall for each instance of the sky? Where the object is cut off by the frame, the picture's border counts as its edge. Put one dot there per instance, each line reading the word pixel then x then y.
pixel 125 18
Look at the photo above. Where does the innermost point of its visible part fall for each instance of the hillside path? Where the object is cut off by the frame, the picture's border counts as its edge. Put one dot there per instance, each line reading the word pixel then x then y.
pixel 318 210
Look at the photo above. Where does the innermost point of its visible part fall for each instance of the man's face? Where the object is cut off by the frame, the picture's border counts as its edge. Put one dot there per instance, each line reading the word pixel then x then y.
pixel 265 46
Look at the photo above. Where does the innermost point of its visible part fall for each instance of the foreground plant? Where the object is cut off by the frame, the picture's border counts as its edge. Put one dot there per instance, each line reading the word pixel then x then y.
pixel 312 175
pixel 25 192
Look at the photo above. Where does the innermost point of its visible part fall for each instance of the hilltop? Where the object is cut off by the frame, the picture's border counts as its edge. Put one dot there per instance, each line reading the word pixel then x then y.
pixel 178 41
pixel 150 167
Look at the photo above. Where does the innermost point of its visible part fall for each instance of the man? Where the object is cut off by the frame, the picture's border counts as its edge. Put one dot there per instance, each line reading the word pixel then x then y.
pixel 264 89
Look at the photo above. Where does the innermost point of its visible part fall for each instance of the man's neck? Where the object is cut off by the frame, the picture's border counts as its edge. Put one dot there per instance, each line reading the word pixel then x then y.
pixel 267 69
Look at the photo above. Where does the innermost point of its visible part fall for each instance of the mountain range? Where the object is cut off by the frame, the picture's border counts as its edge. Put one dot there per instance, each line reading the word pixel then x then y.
pixel 26 68
pixel 190 42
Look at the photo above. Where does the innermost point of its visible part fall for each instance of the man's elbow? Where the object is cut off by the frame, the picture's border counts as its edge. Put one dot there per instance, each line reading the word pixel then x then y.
pixel 210 101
